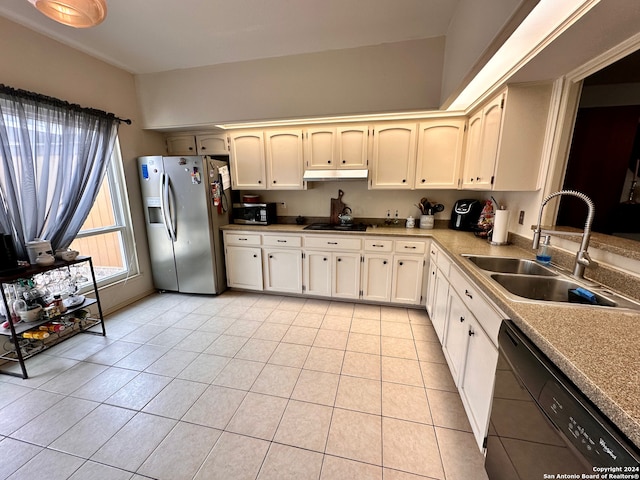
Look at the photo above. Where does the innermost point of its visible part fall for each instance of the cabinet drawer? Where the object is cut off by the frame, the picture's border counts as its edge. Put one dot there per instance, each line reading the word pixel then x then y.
pixel 488 318
pixel 241 239
pixel 333 243
pixel 443 263
pixel 406 246
pixel 373 245
pixel 281 241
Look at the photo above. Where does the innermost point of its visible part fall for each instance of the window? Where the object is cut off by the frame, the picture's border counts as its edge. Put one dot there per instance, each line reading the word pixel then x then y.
pixel 106 234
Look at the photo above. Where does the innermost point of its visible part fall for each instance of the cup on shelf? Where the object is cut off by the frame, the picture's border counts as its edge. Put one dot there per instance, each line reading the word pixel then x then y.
pixel 426 221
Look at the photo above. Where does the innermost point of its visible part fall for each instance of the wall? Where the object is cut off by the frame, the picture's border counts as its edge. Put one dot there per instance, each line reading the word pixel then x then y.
pixel 364 203
pixel 472 29
pixel 389 77
pixel 34 62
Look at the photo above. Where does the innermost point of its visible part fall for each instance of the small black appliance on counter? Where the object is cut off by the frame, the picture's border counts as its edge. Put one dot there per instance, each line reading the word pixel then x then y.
pixel 465 215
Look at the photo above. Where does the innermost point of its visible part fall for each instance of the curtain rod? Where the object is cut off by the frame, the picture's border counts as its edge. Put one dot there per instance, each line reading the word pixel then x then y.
pixel 56 102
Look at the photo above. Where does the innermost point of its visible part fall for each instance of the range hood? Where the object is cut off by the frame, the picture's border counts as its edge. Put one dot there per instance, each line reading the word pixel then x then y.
pixel 328 175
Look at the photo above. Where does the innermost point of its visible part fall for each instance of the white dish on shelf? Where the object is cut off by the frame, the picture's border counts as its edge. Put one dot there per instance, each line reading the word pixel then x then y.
pixel 73 301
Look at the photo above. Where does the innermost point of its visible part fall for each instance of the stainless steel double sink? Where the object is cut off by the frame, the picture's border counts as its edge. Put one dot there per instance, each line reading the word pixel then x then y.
pixel 526 280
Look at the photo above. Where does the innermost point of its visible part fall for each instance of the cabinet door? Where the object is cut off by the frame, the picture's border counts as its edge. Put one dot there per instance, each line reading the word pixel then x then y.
pixel 431 286
pixel 181 145
pixel 457 336
pixel 352 146
pixel 346 275
pixel 479 375
pixel 491 125
pixel 247 160
pixel 212 144
pixel 317 273
pixel 284 160
pixel 472 154
pixel 440 305
pixel 244 267
pixel 319 153
pixel 376 277
pixel 407 279
pixel 439 153
pixel 282 270
pixel 394 156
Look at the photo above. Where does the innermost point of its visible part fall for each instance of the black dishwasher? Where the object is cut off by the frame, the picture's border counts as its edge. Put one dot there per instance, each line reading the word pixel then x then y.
pixel 543 427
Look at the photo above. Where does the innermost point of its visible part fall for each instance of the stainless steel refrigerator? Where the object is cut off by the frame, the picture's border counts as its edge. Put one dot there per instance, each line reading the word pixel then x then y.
pixel 185 204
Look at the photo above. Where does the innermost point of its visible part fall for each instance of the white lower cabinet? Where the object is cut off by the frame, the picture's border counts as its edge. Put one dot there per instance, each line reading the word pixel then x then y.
pixel 467 325
pixel 244 267
pixel 476 387
pixel 376 277
pixel 348 267
pixel 282 270
pixel 346 275
pixel 317 273
pixel 406 287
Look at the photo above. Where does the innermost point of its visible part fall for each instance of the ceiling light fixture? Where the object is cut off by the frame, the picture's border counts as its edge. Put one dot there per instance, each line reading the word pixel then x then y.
pixel 74 13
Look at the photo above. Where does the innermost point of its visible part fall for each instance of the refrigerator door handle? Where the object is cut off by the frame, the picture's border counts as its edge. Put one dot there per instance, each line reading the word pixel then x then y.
pixel 164 207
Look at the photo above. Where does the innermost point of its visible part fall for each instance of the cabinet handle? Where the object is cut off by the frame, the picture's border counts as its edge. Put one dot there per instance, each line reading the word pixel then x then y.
pixel 255 256
pixel 384 262
pixel 282 241
pixel 259 181
pixel 243 239
pixel 478 178
pixel 270 256
pixel 344 161
pixel 401 263
pixel 332 243
pixel 203 148
pixel 471 332
pixel 274 181
pixel 339 259
pixel 329 162
pixel 471 179
pixel 375 245
pixel 468 294
pixel 461 319
pixel 190 148
pixel 324 259
pixel 407 246
pixel 404 180
pixel 433 273
pixel 423 180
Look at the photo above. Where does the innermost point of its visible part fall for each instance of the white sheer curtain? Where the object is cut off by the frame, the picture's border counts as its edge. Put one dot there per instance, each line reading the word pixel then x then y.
pixel 53 157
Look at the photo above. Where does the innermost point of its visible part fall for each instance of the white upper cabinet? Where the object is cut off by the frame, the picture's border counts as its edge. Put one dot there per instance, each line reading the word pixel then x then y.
pixel 181 145
pixel 320 148
pixel 212 144
pixel 505 140
pixel 352 143
pixel 284 159
pixel 190 144
pixel 440 143
pixel 248 167
pixel 394 156
pixel 329 147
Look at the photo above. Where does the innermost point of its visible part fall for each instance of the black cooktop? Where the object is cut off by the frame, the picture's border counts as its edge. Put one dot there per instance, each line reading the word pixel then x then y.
pixel 352 227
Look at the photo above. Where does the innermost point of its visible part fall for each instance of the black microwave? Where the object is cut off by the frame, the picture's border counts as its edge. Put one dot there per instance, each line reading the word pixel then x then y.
pixel 254 213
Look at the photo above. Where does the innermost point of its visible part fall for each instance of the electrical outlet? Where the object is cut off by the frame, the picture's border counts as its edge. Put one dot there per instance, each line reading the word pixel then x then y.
pixel 283 205
pixel 521 217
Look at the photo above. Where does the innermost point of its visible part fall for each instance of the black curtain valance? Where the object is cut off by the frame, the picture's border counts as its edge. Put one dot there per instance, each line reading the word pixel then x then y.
pixel 56 102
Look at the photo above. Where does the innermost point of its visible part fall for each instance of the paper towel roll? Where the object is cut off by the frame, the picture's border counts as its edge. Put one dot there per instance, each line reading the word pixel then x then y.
pixel 500 226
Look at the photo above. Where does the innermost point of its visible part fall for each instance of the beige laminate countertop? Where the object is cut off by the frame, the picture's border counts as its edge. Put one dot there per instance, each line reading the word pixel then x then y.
pixel 597 348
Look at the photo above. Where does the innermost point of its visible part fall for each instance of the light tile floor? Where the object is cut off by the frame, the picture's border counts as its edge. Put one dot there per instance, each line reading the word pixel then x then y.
pixel 241 386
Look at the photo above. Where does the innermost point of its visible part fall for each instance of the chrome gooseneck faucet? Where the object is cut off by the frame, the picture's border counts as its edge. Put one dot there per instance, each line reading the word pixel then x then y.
pixel 582 256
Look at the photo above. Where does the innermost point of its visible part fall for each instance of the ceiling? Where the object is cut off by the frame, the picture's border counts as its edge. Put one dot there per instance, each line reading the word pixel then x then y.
pixel 177 34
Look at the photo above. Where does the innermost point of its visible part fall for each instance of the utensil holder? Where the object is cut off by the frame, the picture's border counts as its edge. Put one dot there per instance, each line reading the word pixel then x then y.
pixel 426 221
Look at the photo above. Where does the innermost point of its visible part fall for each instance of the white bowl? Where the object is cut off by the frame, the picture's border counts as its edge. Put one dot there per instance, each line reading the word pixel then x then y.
pixel 32 314
pixel 45 260
pixel 68 255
